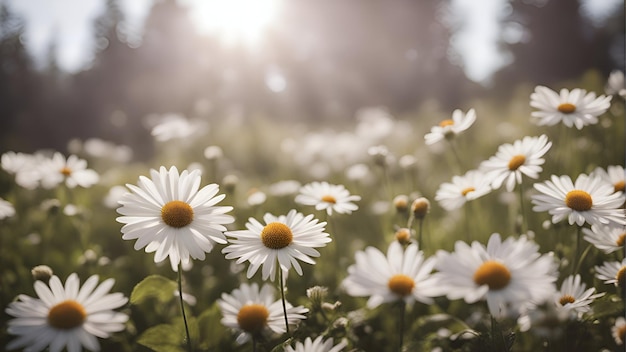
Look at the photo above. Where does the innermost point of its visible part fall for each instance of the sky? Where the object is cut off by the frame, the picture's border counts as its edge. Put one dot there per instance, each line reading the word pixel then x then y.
pixel 71 23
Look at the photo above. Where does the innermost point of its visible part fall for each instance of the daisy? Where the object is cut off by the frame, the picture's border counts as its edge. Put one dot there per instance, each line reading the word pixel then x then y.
pixel 512 160
pixel 507 274
pixel 177 127
pixel 404 274
pixel 464 188
pixel 588 199
pixel 450 128
pixel 615 84
pixel 169 214
pixel 24 167
pixel 612 273
pixel 73 171
pixel 606 238
pixel 325 196
pixel 317 345
pixel 6 209
pixel 573 108
pixel 619 330
pixel 282 239
pixel 615 175
pixel 252 312
pixel 66 317
pixel 575 296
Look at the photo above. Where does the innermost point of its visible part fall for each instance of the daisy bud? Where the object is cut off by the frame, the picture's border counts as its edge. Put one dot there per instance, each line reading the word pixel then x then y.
pixel 403 236
pixel 317 295
pixel 420 207
pixel 42 273
pixel 229 182
pixel 213 152
pixel 331 306
pixel 401 203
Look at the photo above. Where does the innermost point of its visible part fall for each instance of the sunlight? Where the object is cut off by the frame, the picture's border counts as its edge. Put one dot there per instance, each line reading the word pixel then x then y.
pixel 235 21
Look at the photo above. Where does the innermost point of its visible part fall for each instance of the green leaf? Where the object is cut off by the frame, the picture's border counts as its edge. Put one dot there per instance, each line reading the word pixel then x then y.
pixel 153 286
pixel 210 329
pixel 163 338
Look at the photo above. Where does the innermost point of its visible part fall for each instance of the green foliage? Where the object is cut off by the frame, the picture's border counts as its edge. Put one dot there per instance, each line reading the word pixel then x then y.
pixel 154 286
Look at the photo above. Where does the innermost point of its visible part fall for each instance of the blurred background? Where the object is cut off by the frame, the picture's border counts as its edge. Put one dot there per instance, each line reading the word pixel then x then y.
pixel 101 68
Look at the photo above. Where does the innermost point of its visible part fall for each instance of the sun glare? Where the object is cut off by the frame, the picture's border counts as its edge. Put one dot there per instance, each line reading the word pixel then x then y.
pixel 234 21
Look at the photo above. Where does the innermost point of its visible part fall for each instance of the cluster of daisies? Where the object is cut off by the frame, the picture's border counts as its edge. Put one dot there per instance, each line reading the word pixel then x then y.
pixel 169 213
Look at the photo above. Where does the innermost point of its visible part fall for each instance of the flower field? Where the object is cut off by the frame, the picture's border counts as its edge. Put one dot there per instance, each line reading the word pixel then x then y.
pixel 499 226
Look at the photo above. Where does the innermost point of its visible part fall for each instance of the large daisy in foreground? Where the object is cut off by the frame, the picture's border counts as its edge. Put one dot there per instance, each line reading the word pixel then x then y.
pixel 401 275
pixel 523 157
pixel 253 312
pixel 325 196
pixel 507 274
pixel 66 317
pixel 283 240
pixel 573 108
pixel 169 214
pixel 589 199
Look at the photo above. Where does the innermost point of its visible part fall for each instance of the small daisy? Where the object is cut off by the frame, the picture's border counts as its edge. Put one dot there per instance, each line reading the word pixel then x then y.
pixel 524 156
pixel 606 238
pixel 450 128
pixel 615 84
pixel 612 273
pixel 73 171
pixel 177 127
pixel 619 330
pixel 508 274
pixel 575 296
pixel 66 317
pixel 464 188
pixel 615 175
pixel 573 108
pixel 284 239
pixel 6 209
pixel 252 312
pixel 401 275
pixel 588 199
pixel 325 196
pixel 170 215
pixel 317 345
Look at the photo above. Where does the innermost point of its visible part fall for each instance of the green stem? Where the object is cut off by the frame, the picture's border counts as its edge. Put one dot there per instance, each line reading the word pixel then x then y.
pixel 522 212
pixel 419 234
pixel 253 343
pixel 282 296
pixel 456 155
pixel 182 304
pixel 575 263
pixel 401 323
pixel 582 258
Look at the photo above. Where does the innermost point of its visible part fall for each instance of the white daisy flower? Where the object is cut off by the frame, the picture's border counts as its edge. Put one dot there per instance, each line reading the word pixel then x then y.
pixel 451 127
pixel 573 108
pixel 283 239
pixel 24 167
pixel 575 296
pixel 615 84
pixel 325 196
pixel 464 188
pixel 284 188
pixel 606 238
pixel 615 175
pixel 176 127
pixel 6 209
pixel 317 345
pixel 252 312
pixel 507 274
pixel 612 273
pixel 66 317
pixel 73 171
pixel 524 156
pixel 589 199
pixel 401 275
pixel 619 330
pixel 170 215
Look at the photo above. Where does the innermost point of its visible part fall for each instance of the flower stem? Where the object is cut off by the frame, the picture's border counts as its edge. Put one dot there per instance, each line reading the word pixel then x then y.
pixel 401 323
pixel 522 212
pixel 576 251
pixel 420 244
pixel 282 296
pixel 182 304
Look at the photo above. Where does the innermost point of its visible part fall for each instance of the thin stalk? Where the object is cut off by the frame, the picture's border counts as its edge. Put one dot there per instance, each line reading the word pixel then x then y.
pixel 576 250
pixel 582 258
pixel 282 296
pixel 182 304
pixel 401 323
pixel 456 155
pixel 254 343
pixel 521 209
pixel 419 234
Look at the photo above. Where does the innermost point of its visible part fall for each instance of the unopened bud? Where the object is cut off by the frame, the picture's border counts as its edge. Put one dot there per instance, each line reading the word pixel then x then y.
pixel 401 203
pixel 42 273
pixel 420 207
pixel 317 295
pixel 403 236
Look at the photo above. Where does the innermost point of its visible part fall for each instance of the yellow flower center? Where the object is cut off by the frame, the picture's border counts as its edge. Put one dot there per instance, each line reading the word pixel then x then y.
pixel 401 285
pixel 66 171
pixel 516 162
pixel 276 235
pixel 493 274
pixel 177 214
pixel 621 332
pixel 621 239
pixel 619 186
pixel 252 318
pixel 621 277
pixel 567 108
pixel 403 236
pixel 467 190
pixel 578 200
pixel 420 208
pixel 329 199
pixel 566 299
pixel 67 315
pixel 446 123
